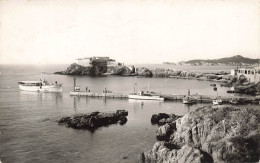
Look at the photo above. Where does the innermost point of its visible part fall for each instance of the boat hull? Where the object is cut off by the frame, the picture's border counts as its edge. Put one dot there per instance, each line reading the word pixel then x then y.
pixel 140 97
pixel 189 101
pixel 47 88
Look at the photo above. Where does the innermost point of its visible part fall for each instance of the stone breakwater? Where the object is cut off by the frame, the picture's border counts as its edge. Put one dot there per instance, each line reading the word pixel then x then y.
pixel 94 120
pixel 225 134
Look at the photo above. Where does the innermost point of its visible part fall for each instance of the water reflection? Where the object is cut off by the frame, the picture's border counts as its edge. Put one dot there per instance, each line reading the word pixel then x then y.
pixel 142 104
pixel 105 101
pixel 76 101
pixel 144 101
pixel 188 107
pixel 40 97
pixel 58 98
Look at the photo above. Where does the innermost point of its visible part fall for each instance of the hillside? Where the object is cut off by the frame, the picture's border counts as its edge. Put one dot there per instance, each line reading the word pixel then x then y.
pixel 235 60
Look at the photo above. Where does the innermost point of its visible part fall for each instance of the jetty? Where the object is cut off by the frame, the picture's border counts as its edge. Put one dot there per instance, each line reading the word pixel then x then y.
pixel 172 97
pixel 92 94
pixel 168 97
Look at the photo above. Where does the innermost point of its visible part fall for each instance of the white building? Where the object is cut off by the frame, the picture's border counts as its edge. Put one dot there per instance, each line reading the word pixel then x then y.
pixel 83 61
pixel 88 61
pixel 252 74
pixel 233 72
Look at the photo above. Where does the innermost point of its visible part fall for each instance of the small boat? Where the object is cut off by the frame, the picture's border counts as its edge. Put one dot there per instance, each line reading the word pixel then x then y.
pixel 39 86
pixel 232 90
pixel 189 100
pixel 145 96
pixel 217 101
pixel 234 102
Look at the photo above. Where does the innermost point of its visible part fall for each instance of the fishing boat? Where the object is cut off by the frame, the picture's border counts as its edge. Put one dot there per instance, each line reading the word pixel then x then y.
pixel 39 86
pixel 217 101
pixel 189 100
pixel 145 96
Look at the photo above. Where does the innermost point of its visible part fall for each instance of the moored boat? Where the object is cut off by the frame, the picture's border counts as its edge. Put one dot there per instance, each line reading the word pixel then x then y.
pixel 217 101
pixel 145 96
pixel 189 100
pixel 39 86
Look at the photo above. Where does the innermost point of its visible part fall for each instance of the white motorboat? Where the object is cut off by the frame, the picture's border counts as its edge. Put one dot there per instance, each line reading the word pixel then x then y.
pixel 217 101
pixel 39 86
pixel 145 96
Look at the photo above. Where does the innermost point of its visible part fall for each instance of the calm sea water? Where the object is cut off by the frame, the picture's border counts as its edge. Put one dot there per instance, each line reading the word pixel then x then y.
pixel 28 120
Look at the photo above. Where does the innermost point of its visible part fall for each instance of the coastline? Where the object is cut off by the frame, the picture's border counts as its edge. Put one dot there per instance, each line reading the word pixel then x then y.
pixel 155 72
pixel 241 85
pixel 206 134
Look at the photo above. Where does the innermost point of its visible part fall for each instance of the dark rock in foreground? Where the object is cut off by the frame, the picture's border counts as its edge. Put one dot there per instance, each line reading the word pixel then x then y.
pixel 163 118
pixel 94 120
pixel 225 134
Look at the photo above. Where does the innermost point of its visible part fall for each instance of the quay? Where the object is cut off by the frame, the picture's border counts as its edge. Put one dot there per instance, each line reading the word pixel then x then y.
pixel 167 97
pixel 92 94
pixel 208 99
pixel 172 97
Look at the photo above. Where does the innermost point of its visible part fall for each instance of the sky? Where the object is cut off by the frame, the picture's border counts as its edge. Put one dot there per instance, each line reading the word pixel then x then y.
pixel 130 31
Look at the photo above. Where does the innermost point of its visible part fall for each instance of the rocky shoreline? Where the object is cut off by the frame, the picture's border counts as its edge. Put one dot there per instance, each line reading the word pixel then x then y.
pixel 94 120
pixel 207 134
pixel 96 70
pixel 241 85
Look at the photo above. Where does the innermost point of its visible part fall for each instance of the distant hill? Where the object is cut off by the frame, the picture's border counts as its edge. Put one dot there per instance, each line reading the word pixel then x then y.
pixel 235 60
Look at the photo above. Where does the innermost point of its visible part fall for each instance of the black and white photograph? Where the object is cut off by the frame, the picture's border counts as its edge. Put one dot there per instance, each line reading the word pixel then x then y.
pixel 130 81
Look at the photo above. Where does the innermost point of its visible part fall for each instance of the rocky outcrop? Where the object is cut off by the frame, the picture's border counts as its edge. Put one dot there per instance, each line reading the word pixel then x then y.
pixel 145 72
pixel 97 68
pixel 250 89
pixel 94 120
pixel 167 152
pixel 163 118
pixel 187 74
pixel 207 134
pixel 100 68
pixel 119 70
pixel 75 69
pixel 164 132
pixel 161 72
pixel 241 85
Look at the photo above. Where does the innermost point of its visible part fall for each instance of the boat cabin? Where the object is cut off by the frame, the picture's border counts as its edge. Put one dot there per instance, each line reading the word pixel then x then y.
pixel 30 83
pixel 140 93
